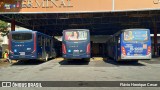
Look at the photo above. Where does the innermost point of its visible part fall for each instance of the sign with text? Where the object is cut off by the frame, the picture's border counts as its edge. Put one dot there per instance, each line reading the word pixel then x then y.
pixel 62 6
pixel 21 84
pixel 55 5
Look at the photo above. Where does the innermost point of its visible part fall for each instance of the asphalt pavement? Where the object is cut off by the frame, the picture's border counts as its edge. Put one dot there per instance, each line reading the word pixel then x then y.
pixel 98 69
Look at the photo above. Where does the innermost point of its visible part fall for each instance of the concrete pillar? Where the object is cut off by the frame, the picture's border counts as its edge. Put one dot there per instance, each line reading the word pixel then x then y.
pixel 91 42
pixel 155 39
pixel 13 25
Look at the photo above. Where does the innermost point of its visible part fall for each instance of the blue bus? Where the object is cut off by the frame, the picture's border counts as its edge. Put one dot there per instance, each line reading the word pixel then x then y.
pixel 26 45
pixel 130 45
pixel 76 44
pixel 158 44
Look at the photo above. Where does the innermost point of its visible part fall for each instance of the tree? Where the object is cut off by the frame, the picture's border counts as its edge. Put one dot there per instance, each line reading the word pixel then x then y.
pixel 4 28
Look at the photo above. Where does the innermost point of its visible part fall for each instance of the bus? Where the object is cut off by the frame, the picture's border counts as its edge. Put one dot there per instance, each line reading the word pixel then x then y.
pixel 30 45
pixel 158 44
pixel 130 45
pixel 76 44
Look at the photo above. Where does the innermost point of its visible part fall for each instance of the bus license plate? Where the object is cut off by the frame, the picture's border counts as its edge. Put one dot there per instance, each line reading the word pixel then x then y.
pixel 76 52
pixel 22 53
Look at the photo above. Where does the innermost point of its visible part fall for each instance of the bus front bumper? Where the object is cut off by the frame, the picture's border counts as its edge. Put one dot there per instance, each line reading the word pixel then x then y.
pixel 76 56
pixel 136 57
pixel 25 57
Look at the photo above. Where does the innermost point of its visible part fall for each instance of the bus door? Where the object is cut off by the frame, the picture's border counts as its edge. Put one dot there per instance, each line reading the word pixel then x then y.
pixel 43 47
pixel 51 48
pixel 158 50
pixel 117 47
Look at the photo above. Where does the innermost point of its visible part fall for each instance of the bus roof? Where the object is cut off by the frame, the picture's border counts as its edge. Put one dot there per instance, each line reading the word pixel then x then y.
pixel 119 32
pixel 23 31
pixel 30 31
pixel 129 30
pixel 76 29
pixel 135 29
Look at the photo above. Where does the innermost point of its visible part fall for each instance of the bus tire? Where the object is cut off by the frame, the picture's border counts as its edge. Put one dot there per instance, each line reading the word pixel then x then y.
pixel 54 56
pixel 46 58
pixel 68 59
pixel 87 59
pixel 136 61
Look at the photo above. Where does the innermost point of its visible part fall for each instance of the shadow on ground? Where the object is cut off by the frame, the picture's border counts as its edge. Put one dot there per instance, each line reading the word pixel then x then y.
pixel 28 62
pixel 153 61
pixel 123 63
pixel 74 62
pixel 4 64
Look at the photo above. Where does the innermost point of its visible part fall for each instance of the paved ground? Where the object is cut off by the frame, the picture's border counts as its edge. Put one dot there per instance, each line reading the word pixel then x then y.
pixel 95 70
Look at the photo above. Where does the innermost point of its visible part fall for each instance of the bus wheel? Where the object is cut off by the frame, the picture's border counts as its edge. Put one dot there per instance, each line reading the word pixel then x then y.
pixel 136 61
pixel 87 59
pixel 46 58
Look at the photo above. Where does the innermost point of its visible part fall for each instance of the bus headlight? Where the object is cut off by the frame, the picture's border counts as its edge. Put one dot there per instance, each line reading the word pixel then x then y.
pixel 149 50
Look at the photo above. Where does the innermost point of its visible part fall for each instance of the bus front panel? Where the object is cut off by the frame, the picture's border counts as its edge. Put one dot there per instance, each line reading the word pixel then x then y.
pixel 76 44
pixel 23 45
pixel 136 44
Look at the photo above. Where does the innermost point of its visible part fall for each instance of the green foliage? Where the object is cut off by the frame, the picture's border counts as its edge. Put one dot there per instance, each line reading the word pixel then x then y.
pixel 4 28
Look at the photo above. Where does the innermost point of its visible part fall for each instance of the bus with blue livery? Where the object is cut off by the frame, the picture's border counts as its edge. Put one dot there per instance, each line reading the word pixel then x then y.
pixel 158 45
pixel 130 45
pixel 30 45
pixel 76 44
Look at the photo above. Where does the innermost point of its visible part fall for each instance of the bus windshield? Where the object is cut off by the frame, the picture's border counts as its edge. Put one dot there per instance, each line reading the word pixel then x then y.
pixel 21 36
pixel 136 35
pixel 75 35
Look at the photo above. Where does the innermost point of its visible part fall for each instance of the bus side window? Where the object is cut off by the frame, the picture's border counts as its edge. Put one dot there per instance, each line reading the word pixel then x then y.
pixel 51 43
pixel 118 40
pixel 48 42
pixel 43 41
pixel 114 40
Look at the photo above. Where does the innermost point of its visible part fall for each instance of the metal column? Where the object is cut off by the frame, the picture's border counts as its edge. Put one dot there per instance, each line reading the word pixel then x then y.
pixel 13 25
pixel 155 38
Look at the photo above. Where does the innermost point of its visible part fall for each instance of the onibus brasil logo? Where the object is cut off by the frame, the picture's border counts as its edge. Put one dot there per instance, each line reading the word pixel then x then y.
pixel 38 4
